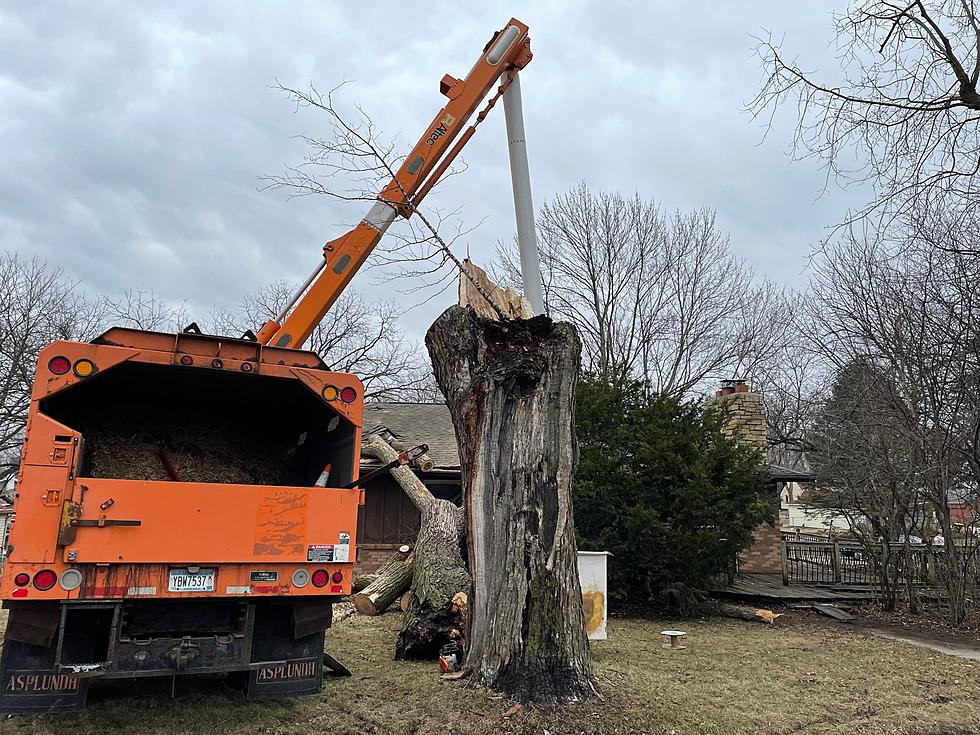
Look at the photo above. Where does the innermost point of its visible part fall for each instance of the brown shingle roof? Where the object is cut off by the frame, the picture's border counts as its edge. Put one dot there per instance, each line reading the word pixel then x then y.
pixel 418 423
pixel 430 423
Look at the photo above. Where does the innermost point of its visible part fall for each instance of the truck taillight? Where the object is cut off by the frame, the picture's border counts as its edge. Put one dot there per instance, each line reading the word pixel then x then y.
pixel 348 394
pixel 320 578
pixel 59 365
pixel 84 368
pixel 45 579
pixel 22 579
pixel 337 577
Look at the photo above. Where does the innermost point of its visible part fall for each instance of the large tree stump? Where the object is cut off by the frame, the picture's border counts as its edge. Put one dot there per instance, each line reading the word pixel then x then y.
pixel 511 392
pixel 439 570
pixel 390 583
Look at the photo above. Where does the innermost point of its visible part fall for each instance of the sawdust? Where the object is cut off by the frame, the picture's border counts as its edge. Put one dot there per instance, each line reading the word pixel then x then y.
pixel 200 447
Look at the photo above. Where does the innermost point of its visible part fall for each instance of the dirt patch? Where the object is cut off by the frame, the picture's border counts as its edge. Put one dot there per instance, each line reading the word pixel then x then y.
pixel 930 623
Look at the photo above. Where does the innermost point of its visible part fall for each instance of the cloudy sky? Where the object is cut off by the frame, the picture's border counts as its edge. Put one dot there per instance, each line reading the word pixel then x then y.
pixel 133 135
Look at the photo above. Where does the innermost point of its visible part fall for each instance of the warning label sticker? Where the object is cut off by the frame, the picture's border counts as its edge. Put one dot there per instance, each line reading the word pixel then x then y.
pixel 341 551
pixel 320 552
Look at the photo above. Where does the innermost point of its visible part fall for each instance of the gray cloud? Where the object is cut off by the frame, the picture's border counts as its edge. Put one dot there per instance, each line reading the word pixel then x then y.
pixel 132 135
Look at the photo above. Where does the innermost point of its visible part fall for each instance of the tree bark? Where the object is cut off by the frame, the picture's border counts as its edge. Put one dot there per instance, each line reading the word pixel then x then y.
pixel 510 387
pixel 393 578
pixel 440 573
pixel 361 581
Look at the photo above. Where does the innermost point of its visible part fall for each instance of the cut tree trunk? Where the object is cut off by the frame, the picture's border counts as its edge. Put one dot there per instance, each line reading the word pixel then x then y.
pixel 439 571
pixel 752 614
pixel 510 387
pixel 393 578
pixel 361 581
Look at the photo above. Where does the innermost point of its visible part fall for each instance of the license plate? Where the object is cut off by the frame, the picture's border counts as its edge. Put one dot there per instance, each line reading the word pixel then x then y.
pixel 184 580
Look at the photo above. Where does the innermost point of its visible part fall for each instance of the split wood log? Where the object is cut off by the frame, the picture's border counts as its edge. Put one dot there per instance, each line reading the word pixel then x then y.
pixel 439 570
pixel 510 387
pixel 394 577
pixel 511 303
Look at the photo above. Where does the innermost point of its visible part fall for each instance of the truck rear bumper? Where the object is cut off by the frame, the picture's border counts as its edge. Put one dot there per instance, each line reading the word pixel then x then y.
pixel 52 651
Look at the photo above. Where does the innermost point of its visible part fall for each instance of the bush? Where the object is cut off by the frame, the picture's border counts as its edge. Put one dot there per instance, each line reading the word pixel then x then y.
pixel 665 489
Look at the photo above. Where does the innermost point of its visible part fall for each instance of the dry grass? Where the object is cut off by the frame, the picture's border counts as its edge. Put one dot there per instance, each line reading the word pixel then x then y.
pixel 735 678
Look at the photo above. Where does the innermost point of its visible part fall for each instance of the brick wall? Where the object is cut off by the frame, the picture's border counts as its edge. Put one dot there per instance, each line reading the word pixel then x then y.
pixel 764 556
pixel 748 416
pixel 372 556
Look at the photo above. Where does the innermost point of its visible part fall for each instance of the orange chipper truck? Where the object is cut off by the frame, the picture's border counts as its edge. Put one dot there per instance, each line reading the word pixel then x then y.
pixel 169 519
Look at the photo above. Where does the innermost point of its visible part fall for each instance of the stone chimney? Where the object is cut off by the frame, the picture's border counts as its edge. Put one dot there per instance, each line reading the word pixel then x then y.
pixel 747 412
pixel 747 416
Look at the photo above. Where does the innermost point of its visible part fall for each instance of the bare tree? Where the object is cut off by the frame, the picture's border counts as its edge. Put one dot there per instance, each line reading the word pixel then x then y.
pixel 38 305
pixel 893 300
pixel 353 164
pixel 868 469
pixel 355 336
pixel 659 298
pixel 903 116
pixel 141 308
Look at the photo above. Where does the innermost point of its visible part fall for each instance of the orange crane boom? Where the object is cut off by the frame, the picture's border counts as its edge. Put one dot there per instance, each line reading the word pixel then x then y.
pixel 508 52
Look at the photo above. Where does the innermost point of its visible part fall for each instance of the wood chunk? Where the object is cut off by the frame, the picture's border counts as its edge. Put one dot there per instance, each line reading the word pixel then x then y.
pixel 509 301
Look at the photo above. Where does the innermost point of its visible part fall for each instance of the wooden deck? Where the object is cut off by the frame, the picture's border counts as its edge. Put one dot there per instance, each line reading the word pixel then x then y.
pixel 770 587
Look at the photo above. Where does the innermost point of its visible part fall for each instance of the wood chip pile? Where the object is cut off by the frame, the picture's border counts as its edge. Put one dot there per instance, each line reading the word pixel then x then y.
pixel 200 448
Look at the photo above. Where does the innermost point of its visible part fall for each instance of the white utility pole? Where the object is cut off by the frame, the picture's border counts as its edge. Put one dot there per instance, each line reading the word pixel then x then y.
pixel 523 206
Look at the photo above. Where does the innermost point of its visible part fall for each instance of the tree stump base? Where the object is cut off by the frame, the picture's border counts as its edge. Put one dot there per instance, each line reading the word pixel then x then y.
pixel 510 387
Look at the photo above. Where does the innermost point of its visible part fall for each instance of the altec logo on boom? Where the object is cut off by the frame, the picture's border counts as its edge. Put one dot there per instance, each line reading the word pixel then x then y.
pixel 447 122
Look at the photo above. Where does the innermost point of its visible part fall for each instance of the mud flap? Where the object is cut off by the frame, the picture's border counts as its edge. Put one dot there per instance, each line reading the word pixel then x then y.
pixel 284 665
pixel 31 685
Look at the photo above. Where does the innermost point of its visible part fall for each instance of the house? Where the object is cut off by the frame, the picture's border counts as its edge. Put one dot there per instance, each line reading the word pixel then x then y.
pixel 388 518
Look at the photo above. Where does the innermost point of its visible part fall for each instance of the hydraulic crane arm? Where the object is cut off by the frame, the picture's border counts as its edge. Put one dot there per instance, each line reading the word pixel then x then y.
pixel 508 51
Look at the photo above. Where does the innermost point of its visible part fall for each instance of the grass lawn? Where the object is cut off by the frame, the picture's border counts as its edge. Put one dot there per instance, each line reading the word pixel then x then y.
pixel 734 678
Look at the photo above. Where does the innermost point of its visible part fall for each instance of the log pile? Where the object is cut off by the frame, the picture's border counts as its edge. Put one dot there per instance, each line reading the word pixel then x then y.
pixel 388 585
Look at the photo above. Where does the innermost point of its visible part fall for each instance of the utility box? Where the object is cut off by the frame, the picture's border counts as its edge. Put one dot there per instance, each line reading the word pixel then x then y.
pixel 592 577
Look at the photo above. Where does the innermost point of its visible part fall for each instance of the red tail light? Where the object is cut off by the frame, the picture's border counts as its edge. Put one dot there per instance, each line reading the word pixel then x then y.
pixel 186 360
pixel 22 580
pixel 59 365
pixel 348 394
pixel 45 579
pixel 320 578
pixel 337 577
